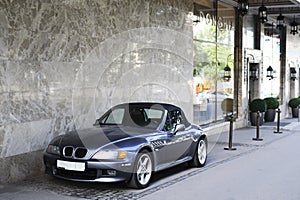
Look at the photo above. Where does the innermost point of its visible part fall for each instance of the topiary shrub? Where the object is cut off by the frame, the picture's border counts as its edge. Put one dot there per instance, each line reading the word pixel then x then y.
pixel 294 102
pixel 272 103
pixel 258 105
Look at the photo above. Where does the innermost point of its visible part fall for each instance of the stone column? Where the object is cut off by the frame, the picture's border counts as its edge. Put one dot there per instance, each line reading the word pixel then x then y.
pixel 259 27
pixel 238 66
pixel 284 76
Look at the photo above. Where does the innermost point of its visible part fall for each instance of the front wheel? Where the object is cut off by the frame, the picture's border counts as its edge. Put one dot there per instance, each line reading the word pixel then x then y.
pixel 200 155
pixel 142 171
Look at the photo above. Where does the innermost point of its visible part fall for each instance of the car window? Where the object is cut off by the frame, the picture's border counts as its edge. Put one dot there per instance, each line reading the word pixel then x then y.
pixel 144 117
pixel 134 116
pixel 114 117
pixel 154 114
pixel 168 125
pixel 138 116
pixel 174 117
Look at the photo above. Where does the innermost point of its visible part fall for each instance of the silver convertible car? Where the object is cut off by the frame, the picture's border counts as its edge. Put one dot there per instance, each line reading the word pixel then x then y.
pixel 128 143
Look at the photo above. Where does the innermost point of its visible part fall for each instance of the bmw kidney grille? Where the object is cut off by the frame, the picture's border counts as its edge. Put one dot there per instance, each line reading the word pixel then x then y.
pixel 71 152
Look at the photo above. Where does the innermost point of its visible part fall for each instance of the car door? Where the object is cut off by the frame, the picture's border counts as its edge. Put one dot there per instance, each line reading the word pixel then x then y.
pixel 180 140
pixel 174 146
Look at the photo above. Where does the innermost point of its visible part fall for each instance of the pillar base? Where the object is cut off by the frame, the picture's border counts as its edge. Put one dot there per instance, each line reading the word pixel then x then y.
pixel 229 149
pixel 278 132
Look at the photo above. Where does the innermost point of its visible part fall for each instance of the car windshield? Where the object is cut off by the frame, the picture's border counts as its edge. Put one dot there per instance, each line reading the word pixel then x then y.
pixel 135 116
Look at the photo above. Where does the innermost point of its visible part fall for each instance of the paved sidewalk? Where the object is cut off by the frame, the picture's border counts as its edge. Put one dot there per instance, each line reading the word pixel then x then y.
pixel 50 188
pixel 267 169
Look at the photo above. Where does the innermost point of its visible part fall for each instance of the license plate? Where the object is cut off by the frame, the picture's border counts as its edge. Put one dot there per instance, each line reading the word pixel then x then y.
pixel 74 166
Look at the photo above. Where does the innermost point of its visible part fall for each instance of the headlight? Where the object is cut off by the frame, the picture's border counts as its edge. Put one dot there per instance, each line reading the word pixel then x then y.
pixel 110 155
pixel 52 149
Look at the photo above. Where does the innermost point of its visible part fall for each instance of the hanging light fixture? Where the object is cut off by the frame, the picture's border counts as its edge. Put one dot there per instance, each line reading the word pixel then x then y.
pixel 270 72
pixel 262 12
pixel 280 21
pixel 243 7
pixel 253 73
pixel 227 70
pixel 293 73
pixel 294 27
pixel 227 73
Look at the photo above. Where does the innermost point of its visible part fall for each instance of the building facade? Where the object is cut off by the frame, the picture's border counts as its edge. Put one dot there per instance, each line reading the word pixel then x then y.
pixel 64 63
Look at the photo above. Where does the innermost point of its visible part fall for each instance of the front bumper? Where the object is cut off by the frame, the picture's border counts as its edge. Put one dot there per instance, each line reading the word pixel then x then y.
pixel 95 171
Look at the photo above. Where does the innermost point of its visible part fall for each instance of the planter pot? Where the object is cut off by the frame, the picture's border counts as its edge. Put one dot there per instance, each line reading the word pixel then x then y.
pixel 295 113
pixel 270 115
pixel 253 116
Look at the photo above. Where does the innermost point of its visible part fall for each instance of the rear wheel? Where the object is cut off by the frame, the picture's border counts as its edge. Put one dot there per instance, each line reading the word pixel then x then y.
pixel 200 155
pixel 142 170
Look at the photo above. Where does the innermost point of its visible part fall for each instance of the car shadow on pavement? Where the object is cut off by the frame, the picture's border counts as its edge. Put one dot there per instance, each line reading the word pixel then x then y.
pixel 98 190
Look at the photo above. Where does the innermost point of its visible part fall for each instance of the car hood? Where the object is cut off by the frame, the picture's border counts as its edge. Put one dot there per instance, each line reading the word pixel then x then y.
pixel 98 136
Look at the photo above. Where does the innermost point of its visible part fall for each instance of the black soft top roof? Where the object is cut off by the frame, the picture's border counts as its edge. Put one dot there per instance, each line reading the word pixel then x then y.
pixel 166 106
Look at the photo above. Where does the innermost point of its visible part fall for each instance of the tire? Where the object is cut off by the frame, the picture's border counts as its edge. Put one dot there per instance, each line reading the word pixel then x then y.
pixel 143 170
pixel 200 155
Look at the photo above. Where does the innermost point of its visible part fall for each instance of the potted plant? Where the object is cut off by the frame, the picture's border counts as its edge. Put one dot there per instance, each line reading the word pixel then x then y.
pixel 272 104
pixel 294 103
pixel 257 105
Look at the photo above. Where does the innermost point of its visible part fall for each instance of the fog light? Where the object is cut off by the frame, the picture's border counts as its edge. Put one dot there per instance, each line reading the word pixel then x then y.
pixel 54 171
pixel 109 172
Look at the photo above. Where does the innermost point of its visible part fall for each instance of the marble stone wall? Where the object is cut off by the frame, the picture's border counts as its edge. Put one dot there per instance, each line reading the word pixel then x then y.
pixel 64 62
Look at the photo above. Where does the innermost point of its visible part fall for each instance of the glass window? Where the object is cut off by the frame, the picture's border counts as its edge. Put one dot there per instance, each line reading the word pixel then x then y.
pixel 135 116
pixel 174 117
pixel 271 58
pixel 154 114
pixel 114 117
pixel 213 51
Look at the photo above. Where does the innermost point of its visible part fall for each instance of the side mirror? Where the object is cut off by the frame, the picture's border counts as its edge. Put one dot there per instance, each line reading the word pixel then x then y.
pixel 178 127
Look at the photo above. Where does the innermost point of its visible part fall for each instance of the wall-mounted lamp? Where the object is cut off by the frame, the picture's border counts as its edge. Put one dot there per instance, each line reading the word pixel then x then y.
pixel 253 73
pixel 293 73
pixel 294 27
pixel 280 21
pixel 227 73
pixel 248 59
pixel 262 13
pixel 196 19
pixel 270 72
pixel 243 7
pixel 227 70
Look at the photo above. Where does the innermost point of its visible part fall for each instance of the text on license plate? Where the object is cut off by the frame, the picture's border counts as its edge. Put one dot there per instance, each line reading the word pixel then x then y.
pixel 74 166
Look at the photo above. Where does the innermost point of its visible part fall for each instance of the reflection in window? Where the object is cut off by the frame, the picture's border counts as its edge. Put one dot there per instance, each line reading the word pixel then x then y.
pixel 213 50
pixel 173 118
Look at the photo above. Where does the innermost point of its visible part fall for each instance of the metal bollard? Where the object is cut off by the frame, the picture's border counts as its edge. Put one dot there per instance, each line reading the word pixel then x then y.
pixel 257 127
pixel 298 113
pixel 230 148
pixel 278 121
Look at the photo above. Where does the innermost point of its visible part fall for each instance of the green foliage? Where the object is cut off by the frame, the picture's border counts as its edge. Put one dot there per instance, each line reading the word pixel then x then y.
pixel 294 102
pixel 272 103
pixel 209 58
pixel 258 105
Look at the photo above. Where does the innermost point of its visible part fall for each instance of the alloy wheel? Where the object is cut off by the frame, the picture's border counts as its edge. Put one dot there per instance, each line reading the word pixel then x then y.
pixel 144 169
pixel 202 152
